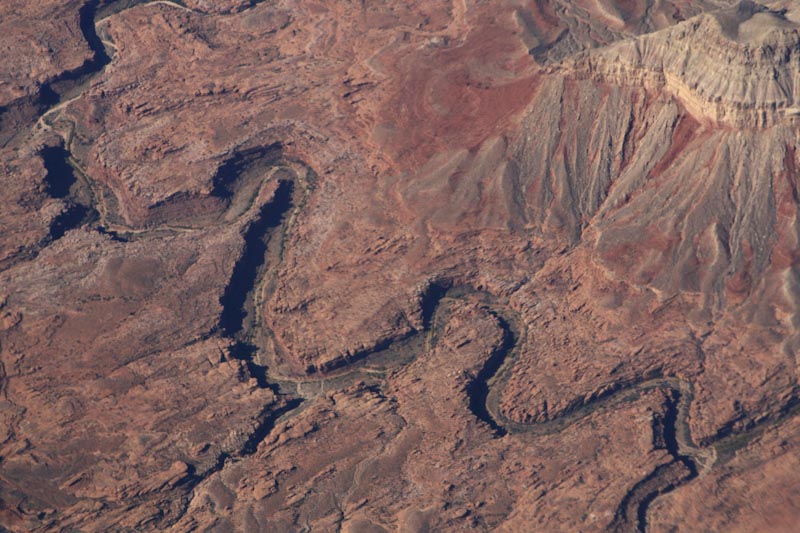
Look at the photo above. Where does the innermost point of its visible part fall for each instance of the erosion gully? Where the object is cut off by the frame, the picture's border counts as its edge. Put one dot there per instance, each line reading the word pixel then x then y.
pixel 252 282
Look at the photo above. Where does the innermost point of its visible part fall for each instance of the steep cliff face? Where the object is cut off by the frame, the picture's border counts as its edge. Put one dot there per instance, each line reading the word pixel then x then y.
pixel 737 66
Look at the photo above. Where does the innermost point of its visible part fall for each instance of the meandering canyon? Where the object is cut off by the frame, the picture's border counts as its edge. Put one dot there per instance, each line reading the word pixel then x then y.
pixel 294 265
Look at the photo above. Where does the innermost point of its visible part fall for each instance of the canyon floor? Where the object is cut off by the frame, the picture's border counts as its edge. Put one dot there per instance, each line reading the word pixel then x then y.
pixel 301 265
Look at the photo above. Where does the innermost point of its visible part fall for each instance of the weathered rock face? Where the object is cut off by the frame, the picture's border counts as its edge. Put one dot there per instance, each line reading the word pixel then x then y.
pixel 395 265
pixel 737 66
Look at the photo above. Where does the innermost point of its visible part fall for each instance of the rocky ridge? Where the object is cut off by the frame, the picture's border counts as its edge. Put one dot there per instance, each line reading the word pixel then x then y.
pixel 737 66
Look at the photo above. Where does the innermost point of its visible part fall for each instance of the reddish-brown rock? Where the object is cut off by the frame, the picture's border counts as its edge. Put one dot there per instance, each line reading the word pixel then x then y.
pixel 527 266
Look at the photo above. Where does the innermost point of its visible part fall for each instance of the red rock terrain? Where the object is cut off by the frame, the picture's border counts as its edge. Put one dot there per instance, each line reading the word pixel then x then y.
pixel 414 266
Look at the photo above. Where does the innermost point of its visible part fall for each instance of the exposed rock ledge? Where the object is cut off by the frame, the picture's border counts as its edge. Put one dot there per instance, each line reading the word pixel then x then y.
pixel 739 66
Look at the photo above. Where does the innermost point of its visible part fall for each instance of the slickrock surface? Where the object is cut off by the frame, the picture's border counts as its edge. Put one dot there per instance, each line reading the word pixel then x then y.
pixel 399 266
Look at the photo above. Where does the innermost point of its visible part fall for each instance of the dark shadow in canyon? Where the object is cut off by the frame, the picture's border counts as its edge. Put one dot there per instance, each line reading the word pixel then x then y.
pixel 478 389
pixel 631 514
pixel 54 91
pixel 246 269
pixel 61 183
